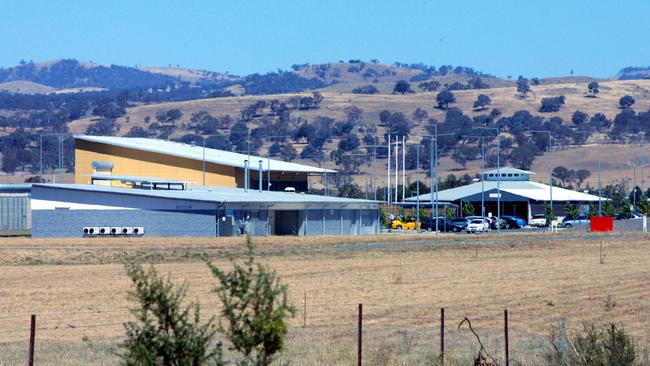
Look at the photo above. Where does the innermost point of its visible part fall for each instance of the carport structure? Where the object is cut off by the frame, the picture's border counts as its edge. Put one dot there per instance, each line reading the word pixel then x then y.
pixel 518 195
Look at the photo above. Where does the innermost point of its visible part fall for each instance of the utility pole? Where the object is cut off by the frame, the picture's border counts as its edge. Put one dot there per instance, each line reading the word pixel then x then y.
pixel 498 136
pixel 388 191
pixel 417 182
pixel 550 164
pixel 396 167
pixel 403 168
pixel 203 162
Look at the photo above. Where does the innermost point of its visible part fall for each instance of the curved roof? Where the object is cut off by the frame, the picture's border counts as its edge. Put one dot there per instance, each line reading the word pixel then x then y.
pixel 530 190
pixel 215 156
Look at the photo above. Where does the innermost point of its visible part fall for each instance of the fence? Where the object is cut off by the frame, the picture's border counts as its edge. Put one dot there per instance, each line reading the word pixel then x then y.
pixel 321 334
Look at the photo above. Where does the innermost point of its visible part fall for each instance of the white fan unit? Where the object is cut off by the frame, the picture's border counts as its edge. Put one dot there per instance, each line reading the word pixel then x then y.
pixel 116 230
pixel 127 230
pixel 138 230
pixel 104 230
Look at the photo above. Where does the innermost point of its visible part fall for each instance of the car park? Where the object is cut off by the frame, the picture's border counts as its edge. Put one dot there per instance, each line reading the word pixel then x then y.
pixel 481 225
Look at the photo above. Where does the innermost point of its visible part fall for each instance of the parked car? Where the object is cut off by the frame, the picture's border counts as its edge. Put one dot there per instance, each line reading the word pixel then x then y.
pixel 399 225
pixel 513 222
pixel 492 220
pixel 443 225
pixel 478 226
pixel 570 222
pixel 459 223
pixel 539 220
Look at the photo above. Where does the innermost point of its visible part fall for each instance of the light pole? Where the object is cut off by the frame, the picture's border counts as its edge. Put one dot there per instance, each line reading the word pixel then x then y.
pixel 482 138
pixel 600 182
pixel 498 132
pixel 550 164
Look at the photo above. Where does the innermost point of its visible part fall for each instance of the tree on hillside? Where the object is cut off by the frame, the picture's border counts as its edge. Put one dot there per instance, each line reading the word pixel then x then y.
pixel 288 152
pixel 581 175
pixel 169 116
pixel 366 89
pixel 384 116
pixel 481 103
pixel 552 104
pixel 444 98
pixel 592 89
pixel 562 174
pixel 521 156
pixel 579 118
pixel 522 86
pixel 402 87
pixel 420 114
pixel 626 101
pixel 429 86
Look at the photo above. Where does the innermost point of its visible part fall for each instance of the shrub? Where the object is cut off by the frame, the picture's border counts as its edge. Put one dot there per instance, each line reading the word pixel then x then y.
pixel 165 331
pixel 596 345
pixel 255 306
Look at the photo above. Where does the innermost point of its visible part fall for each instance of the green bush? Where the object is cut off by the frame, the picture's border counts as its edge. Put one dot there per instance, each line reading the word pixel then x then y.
pixel 255 306
pixel 165 332
pixel 596 345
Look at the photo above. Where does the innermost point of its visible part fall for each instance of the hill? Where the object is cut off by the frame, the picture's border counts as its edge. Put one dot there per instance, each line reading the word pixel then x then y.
pixel 505 99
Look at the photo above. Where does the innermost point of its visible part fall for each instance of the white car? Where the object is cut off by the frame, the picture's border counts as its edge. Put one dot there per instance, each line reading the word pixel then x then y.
pixel 538 220
pixel 478 226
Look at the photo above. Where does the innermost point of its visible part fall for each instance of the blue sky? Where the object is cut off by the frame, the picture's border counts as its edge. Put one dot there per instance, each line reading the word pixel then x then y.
pixel 530 38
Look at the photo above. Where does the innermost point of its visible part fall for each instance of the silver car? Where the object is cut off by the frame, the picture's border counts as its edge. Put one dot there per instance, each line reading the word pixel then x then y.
pixel 478 226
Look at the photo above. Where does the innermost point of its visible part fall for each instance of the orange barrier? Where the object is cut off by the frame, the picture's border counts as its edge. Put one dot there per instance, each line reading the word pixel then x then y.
pixel 601 223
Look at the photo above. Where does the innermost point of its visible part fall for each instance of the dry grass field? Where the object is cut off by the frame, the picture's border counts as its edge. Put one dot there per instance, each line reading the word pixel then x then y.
pixel 82 302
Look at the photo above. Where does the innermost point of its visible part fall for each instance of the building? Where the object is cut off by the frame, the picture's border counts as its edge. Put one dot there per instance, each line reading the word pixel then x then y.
pixel 65 210
pixel 519 196
pixel 142 157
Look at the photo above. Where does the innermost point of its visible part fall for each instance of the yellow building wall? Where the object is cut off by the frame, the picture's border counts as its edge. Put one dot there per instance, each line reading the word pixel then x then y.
pixel 147 164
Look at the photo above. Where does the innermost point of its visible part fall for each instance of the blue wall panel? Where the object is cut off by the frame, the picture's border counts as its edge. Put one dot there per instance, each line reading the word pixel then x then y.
pixel 70 223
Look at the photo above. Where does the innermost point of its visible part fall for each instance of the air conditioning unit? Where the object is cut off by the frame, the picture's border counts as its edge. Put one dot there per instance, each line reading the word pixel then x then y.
pixel 116 230
pixel 86 230
pixel 127 230
pixel 93 230
pixel 104 230
pixel 138 230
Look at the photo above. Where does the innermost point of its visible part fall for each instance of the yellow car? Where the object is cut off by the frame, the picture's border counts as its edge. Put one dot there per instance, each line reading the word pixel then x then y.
pixel 399 225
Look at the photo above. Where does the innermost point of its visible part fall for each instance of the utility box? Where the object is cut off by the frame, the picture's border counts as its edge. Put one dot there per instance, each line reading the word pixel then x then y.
pixel 601 223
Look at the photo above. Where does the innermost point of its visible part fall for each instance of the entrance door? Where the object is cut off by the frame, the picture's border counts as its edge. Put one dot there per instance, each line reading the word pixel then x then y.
pixel 286 222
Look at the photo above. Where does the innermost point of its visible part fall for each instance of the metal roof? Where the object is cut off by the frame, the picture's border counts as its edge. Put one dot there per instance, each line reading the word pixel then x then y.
pixel 508 170
pixel 136 179
pixel 215 156
pixel 530 190
pixel 213 194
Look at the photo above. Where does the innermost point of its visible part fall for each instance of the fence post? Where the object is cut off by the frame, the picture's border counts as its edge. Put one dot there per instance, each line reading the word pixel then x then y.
pixel 505 323
pixel 562 340
pixel 359 335
pixel 442 336
pixel 32 339
pixel 304 313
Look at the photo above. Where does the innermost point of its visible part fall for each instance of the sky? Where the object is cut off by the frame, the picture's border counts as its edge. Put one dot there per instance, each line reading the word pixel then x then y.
pixel 532 38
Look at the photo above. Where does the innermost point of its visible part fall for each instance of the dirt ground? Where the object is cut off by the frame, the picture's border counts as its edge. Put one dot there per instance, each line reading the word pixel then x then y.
pixel 538 278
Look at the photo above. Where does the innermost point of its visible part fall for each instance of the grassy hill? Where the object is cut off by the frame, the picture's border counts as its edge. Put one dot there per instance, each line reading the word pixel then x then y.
pixel 506 99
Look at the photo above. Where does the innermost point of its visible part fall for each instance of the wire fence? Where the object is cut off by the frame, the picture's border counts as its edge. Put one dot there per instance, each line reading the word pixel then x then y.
pixel 331 333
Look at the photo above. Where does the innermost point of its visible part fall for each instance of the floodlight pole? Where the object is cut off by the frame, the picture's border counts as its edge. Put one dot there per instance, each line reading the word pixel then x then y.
pixel 403 167
pixel 388 191
pixel 498 136
pixel 550 164
pixel 396 168
pixel 417 182
pixel 40 144
pixel 203 161
pixel 634 187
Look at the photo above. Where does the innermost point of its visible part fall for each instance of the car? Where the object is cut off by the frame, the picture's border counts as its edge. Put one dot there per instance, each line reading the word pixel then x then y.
pixel 513 222
pixel 459 224
pixel 539 220
pixel 570 222
pixel 444 224
pixel 492 220
pixel 478 226
pixel 402 225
